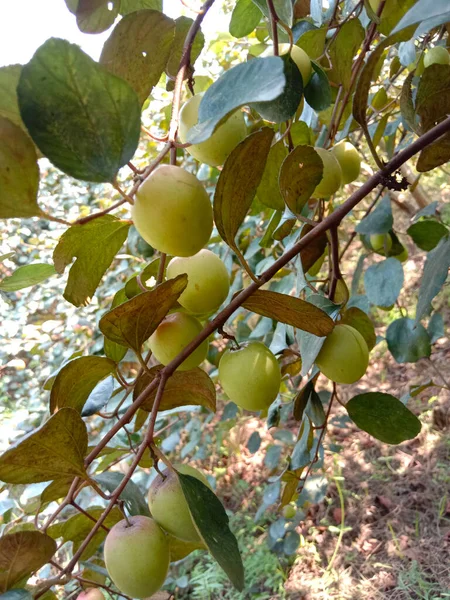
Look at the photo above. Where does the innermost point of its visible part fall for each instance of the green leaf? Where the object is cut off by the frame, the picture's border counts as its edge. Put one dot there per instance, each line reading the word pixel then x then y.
pixel 283 8
pixel 300 174
pixel 129 6
pixel 286 104
pixel 310 344
pixel 99 397
pixel 182 26
pixel 19 172
pixel 407 105
pixel 433 106
pixel 211 521
pixel 84 120
pixel 78 527
pixel 314 250
pixel 268 191
pixel 426 233
pixel 4 257
pixel 244 18
pixel 27 276
pixel 383 282
pixel 313 42
pixel 238 182
pixel 344 48
pixel 361 96
pixel 138 48
pixel 318 90
pixel 259 80
pixel 408 341
pixel 384 417
pixel 314 409
pixel 9 105
pixel 112 350
pixel 288 309
pixel 134 499
pixel 132 323
pixel 393 11
pixel 301 399
pixel 254 442
pixel 21 554
pixel 380 220
pixel 77 379
pixel 94 245
pixel 95 16
pixel 436 327
pixel 424 10
pixel 54 451
pixel 301 455
pixel 434 276
pixel 358 319
pixel 56 490
pixel 183 388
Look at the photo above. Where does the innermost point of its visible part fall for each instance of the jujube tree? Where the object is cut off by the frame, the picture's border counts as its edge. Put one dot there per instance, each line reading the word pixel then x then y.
pixel 239 199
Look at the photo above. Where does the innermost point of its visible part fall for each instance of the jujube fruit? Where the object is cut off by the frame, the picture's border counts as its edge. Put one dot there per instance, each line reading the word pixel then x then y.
pixel 300 58
pixel 403 255
pixel 436 56
pixel 215 150
pixel 344 356
pixel 381 242
pixel 169 506
pixel 172 211
pixel 137 556
pixel 349 161
pixel 289 511
pixel 250 376
pixel 331 177
pixel 208 281
pixel 173 335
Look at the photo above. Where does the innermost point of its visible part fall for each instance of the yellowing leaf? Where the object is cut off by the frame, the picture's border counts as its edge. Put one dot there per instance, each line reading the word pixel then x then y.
pixel 239 181
pixel 138 49
pixel 54 451
pixel 293 311
pixel 300 174
pixel 182 389
pixel 19 172
pixel 132 323
pixel 21 554
pixel 77 379
pixel 94 245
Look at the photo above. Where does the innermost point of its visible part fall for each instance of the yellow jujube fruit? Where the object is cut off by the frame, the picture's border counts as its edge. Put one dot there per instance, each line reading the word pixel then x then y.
pixel 300 58
pixel 169 506
pixel 349 161
pixel 208 281
pixel 215 150
pixel 381 242
pixel 332 175
pixel 137 556
pixel 344 356
pixel 172 211
pixel 173 335
pixel 250 376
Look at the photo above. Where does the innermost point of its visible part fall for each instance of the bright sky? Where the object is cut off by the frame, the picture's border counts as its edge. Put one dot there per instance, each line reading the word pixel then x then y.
pixel 26 24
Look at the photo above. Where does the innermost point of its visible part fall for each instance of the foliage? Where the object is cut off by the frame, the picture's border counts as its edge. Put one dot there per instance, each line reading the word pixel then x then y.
pixel 88 292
